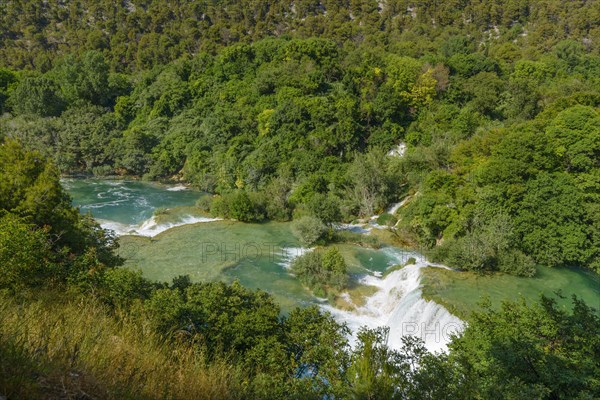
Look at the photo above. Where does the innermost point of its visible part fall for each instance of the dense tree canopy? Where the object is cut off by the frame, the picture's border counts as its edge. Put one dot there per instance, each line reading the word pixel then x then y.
pixel 291 112
pixel 43 238
pixel 140 34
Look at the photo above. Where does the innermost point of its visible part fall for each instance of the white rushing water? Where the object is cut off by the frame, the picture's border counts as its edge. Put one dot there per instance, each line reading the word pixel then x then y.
pixel 398 151
pixel 177 188
pixel 289 253
pixel 399 305
pixel 150 227
pixel 396 206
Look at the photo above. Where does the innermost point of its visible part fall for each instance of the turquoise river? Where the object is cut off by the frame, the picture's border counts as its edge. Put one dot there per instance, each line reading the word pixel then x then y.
pixel 165 235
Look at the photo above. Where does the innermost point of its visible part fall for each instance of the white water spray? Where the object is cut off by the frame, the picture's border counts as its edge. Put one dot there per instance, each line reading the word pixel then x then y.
pixel 288 254
pixel 399 305
pixel 177 188
pixel 150 227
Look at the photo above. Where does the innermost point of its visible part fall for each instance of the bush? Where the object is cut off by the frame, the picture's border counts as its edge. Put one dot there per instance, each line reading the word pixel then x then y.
pixel 238 205
pixel 335 268
pixel 103 170
pixel 204 203
pixel 309 230
pixel 219 207
pixel 386 219
pixel 516 262
pixel 326 208
pixel 122 286
pixel 25 257
pixel 318 270
pixel 241 207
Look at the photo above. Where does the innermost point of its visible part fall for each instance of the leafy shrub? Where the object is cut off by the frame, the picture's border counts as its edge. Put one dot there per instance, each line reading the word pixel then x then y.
pixel 122 286
pixel 516 262
pixel 309 230
pixel 238 205
pixel 386 219
pixel 204 203
pixel 25 254
pixel 319 270
pixel 324 207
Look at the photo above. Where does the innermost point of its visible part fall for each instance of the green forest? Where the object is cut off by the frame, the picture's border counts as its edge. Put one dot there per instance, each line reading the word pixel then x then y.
pixel 291 111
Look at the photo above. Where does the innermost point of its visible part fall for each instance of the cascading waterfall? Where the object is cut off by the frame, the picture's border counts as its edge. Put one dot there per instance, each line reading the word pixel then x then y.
pixel 151 227
pixel 127 208
pixel 399 305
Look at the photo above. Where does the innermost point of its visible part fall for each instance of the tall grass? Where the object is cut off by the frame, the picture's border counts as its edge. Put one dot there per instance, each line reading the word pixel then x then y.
pixel 77 350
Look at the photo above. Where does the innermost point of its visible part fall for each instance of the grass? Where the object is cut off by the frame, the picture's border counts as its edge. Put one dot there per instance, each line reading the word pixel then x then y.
pixel 461 292
pixel 77 350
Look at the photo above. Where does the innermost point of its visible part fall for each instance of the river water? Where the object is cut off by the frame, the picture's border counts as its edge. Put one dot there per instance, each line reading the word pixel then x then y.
pixel 179 240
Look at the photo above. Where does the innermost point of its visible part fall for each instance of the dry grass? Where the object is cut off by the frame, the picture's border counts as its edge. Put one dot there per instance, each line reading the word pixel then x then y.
pixel 76 350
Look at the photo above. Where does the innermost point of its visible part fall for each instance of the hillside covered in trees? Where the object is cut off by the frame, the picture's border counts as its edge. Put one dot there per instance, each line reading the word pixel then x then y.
pixel 288 110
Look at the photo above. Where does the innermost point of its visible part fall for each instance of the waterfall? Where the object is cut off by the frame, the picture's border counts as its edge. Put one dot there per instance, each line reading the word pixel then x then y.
pixel 399 305
pixel 150 227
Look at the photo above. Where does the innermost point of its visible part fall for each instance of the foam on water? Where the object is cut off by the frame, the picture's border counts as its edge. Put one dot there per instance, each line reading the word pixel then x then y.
pixel 396 206
pixel 127 207
pixel 398 151
pixel 356 228
pixel 288 254
pixel 177 188
pixel 150 227
pixel 399 305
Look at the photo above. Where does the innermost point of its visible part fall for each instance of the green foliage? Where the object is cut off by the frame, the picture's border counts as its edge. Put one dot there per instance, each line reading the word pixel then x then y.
pixel 326 208
pixel 25 254
pixel 38 96
pixel 499 111
pixel 376 371
pixel 83 78
pixel 538 350
pixel 86 139
pixel 42 341
pixel 7 79
pixel 238 205
pixel 34 32
pixel 386 219
pixel 301 124
pixel 552 221
pixel 514 197
pixel 309 230
pixel 374 179
pixel 49 228
pixel 122 286
pixel 319 270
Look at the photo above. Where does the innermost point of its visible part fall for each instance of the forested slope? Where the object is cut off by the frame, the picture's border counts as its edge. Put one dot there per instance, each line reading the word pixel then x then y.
pixel 138 34
pixel 290 109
